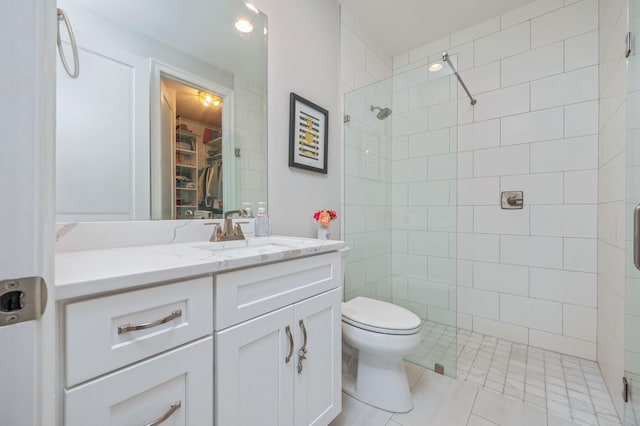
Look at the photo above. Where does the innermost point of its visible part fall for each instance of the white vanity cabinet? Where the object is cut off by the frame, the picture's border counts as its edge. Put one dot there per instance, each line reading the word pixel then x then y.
pixel 140 356
pixel 242 343
pixel 277 340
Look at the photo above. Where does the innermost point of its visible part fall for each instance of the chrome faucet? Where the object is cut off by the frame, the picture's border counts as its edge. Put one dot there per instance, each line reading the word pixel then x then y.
pixel 229 232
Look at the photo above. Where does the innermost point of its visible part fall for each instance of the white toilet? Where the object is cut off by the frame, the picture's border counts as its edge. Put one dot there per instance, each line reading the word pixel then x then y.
pixel 379 335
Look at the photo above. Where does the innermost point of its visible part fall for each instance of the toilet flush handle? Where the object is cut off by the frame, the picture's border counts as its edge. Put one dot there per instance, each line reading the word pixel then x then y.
pixel 302 352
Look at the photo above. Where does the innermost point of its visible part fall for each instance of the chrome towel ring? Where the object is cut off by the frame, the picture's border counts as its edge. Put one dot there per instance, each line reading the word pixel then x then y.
pixel 62 16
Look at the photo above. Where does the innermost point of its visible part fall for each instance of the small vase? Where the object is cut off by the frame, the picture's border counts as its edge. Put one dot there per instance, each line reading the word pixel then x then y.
pixel 323 233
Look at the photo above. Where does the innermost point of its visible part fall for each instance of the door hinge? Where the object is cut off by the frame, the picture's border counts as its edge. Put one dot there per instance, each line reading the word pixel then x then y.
pixel 625 390
pixel 627 40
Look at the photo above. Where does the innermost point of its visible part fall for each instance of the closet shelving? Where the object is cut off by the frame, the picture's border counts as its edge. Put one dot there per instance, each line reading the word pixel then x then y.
pixel 186 174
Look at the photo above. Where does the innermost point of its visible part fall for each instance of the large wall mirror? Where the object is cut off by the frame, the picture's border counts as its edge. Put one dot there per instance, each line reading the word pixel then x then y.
pixel 167 118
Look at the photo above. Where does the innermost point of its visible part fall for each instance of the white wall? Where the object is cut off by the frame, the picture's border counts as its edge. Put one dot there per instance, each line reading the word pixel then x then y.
pixel 527 275
pixel 363 62
pixel 304 57
pixel 611 202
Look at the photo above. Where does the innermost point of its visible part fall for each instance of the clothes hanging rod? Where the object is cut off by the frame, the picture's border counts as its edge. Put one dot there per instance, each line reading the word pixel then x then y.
pixel 445 58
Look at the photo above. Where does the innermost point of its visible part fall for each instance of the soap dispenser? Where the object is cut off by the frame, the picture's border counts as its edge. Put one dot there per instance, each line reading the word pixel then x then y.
pixel 262 220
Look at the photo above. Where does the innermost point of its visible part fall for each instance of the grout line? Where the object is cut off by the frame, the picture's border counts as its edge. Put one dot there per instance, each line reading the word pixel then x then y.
pixel 471 413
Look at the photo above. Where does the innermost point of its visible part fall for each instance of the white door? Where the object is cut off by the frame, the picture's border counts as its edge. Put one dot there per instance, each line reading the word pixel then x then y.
pixel 27 108
pixel 102 123
pixel 162 186
pixel 254 381
pixel 318 397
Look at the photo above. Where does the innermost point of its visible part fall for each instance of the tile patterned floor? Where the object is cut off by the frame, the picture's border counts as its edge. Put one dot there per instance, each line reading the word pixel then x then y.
pixel 443 401
pixel 497 381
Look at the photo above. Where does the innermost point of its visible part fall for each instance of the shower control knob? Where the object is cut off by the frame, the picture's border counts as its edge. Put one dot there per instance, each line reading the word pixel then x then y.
pixel 512 200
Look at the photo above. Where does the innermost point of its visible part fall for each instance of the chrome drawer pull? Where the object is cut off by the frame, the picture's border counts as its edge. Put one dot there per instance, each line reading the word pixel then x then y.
pixel 288 358
pixel 166 415
pixel 128 327
pixel 302 352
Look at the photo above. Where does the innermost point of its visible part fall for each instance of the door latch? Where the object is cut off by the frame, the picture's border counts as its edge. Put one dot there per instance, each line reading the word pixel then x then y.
pixel 22 299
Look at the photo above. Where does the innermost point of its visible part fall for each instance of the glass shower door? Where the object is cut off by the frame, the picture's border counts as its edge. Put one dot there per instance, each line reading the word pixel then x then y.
pixel 400 210
pixel 632 229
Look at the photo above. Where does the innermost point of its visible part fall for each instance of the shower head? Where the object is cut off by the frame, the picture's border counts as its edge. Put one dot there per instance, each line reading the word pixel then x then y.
pixel 383 112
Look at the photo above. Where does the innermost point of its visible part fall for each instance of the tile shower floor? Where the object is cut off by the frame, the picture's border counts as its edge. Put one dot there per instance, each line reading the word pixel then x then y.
pixel 499 382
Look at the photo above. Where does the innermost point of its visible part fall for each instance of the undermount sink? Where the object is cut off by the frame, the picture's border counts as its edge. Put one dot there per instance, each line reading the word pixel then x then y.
pixel 232 247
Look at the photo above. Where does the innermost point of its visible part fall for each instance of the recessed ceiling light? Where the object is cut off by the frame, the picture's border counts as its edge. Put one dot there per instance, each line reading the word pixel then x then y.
pixel 243 25
pixel 435 67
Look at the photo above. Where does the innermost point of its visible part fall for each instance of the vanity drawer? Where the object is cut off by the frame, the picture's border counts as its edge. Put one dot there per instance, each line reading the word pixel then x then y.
pixel 98 339
pixel 176 383
pixel 248 293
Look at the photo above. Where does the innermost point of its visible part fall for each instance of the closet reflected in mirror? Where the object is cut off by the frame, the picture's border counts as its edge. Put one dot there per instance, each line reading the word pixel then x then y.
pixel 195 136
pixel 167 118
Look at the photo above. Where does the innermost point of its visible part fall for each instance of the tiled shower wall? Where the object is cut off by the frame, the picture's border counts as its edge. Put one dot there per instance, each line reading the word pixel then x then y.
pixel 366 205
pixel 611 191
pixel 424 193
pixel 251 165
pixel 526 275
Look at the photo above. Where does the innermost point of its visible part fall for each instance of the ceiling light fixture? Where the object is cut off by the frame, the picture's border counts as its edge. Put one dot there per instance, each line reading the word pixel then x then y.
pixel 244 26
pixel 435 67
pixel 209 101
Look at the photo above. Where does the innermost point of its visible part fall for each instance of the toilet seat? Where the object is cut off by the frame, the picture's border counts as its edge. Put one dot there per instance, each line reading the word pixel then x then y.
pixel 379 317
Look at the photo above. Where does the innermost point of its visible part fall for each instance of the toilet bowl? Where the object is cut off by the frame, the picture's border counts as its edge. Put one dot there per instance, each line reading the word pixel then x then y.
pixel 378 335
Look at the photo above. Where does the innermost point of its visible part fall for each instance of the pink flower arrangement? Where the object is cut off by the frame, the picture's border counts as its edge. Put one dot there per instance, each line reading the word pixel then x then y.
pixel 324 217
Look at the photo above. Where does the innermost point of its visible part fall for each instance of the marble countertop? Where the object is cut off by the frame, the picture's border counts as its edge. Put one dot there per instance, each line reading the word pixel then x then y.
pixel 88 272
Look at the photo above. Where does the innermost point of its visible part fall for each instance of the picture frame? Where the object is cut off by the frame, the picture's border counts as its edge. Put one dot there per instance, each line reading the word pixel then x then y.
pixel 308 135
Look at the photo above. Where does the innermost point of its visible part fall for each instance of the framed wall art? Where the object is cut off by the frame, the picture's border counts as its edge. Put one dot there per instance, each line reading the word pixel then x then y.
pixel 308 135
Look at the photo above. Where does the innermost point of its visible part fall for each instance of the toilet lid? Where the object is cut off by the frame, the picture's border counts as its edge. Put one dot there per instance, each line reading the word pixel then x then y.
pixel 379 316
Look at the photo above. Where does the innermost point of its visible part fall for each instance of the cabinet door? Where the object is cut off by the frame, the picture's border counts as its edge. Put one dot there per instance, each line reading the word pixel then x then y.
pixel 318 384
pixel 254 383
pixel 176 384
